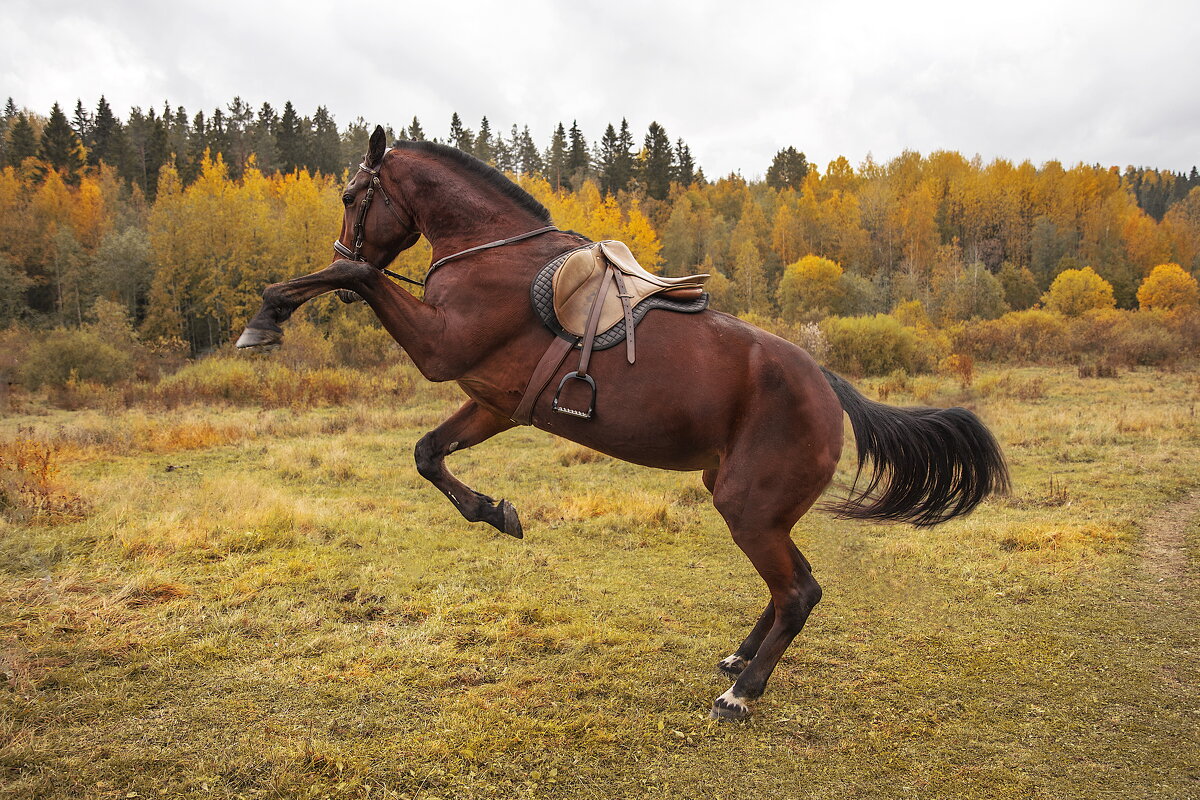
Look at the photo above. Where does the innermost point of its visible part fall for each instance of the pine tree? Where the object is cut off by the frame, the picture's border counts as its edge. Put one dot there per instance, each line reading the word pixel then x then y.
pixel 657 161
pixel 787 170
pixel 556 158
pixel 239 135
pixel 60 146
pixel 485 148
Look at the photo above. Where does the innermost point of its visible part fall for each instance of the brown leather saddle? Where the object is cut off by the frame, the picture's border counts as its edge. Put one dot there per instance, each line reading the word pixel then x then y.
pixel 598 291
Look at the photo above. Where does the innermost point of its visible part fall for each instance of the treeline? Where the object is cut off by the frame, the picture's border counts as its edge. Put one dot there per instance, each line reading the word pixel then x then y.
pixel 284 141
pixel 184 241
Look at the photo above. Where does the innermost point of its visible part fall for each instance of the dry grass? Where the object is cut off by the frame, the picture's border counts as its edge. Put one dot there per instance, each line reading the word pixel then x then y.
pixel 271 603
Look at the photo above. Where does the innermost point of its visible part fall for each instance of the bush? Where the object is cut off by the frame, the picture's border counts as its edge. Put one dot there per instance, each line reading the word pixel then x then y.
pixel 1017 337
pixel 53 358
pixel 878 345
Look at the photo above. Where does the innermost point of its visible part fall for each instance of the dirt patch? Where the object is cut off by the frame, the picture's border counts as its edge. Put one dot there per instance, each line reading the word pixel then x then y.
pixel 1166 552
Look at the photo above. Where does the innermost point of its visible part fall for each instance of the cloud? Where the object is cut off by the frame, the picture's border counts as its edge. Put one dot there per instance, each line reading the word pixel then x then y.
pixel 1095 82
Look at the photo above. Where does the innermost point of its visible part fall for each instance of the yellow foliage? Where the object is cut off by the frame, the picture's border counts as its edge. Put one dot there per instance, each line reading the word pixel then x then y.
pixel 810 287
pixel 1075 291
pixel 1168 287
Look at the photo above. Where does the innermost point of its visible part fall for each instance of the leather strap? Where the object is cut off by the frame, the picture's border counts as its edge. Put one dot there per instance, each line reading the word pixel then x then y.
pixel 628 309
pixel 549 364
pixel 489 245
pixel 589 333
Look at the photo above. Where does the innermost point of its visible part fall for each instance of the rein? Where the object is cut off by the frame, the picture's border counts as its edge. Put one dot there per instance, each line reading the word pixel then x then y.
pixel 360 222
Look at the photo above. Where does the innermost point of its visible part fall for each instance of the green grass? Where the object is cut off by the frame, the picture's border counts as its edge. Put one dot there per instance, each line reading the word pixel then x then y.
pixel 291 611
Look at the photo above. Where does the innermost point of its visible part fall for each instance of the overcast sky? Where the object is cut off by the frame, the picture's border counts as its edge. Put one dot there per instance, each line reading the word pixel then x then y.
pixel 1099 82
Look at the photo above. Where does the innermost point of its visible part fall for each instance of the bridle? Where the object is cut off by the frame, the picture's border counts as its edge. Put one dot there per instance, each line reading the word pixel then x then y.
pixel 361 218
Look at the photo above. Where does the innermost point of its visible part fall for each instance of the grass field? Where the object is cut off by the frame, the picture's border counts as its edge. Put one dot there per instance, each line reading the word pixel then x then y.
pixel 236 602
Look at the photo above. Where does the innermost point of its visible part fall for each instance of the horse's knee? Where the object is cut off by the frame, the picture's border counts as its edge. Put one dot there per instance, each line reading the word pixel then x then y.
pixel 429 460
pixel 799 603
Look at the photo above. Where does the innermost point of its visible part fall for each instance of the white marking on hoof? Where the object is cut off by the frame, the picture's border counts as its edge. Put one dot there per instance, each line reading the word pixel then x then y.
pixel 733 664
pixel 729 706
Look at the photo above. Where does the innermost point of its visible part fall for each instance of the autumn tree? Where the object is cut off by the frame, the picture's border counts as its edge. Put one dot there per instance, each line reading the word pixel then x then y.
pixel 810 289
pixel 1168 287
pixel 1075 291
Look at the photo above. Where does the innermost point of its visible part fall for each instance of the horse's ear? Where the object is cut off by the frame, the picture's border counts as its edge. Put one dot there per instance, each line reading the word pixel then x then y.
pixel 377 146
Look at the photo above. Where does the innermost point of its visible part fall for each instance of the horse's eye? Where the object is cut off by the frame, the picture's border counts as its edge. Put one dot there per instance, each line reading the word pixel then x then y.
pixel 347 199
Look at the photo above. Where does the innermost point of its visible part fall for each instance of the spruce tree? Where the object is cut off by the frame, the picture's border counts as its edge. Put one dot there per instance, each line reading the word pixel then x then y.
pixel 263 138
pixel 578 162
pixel 485 148
pixel 461 137
pixel 81 123
pixel 326 149
pixel 289 144
pixel 787 169
pixel 658 158
pixel 22 142
pixel 527 157
pixel 556 158
pixel 606 160
pixel 622 168
pixel 415 132
pixel 60 146
pixel 106 143
pixel 685 167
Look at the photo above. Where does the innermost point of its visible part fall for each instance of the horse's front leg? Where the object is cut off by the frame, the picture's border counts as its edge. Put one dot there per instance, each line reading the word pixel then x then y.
pixel 281 299
pixel 469 426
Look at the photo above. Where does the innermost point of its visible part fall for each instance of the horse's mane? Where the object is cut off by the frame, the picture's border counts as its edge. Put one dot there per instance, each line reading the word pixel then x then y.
pixel 481 170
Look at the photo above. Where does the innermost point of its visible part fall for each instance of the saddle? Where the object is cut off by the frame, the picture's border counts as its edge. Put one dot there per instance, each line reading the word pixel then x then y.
pixel 598 291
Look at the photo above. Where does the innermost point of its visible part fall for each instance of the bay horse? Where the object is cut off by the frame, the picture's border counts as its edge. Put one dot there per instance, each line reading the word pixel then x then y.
pixel 752 412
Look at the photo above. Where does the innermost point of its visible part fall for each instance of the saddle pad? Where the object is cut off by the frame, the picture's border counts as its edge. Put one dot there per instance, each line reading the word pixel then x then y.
pixel 541 292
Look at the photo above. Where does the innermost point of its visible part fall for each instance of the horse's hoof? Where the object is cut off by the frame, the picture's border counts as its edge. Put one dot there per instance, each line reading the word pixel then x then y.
pixel 259 337
pixel 732 666
pixel 728 707
pixel 512 523
pixel 348 297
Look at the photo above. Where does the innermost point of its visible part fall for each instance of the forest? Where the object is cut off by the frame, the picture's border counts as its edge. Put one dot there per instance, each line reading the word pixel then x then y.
pixel 179 221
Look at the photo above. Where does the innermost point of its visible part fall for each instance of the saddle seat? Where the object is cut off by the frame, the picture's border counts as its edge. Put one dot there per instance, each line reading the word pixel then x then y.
pixel 585 272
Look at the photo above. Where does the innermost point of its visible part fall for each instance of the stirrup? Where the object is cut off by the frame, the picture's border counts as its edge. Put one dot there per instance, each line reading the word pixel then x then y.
pixel 591 405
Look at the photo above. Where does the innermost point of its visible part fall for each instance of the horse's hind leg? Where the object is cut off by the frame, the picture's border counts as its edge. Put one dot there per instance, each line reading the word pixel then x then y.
pixel 467 427
pixel 760 508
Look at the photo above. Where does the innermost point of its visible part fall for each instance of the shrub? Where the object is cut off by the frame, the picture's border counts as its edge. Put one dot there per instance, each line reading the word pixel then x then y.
pixel 1017 337
pixel 878 345
pixel 56 356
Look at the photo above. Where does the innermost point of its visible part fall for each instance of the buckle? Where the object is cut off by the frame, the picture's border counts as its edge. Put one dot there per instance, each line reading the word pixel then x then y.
pixel 571 411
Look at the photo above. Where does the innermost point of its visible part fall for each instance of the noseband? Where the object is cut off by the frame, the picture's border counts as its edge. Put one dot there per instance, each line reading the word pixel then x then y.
pixel 360 222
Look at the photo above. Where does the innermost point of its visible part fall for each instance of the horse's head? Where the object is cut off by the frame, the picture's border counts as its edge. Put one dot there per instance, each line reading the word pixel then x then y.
pixel 375 228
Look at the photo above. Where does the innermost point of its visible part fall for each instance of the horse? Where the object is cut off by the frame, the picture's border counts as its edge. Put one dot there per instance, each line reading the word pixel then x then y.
pixel 754 413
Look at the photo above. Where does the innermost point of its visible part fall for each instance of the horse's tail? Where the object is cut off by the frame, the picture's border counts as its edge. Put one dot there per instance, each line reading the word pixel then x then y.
pixel 929 465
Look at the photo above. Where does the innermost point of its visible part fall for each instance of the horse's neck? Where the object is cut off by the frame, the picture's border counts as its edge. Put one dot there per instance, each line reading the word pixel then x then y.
pixel 456 211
